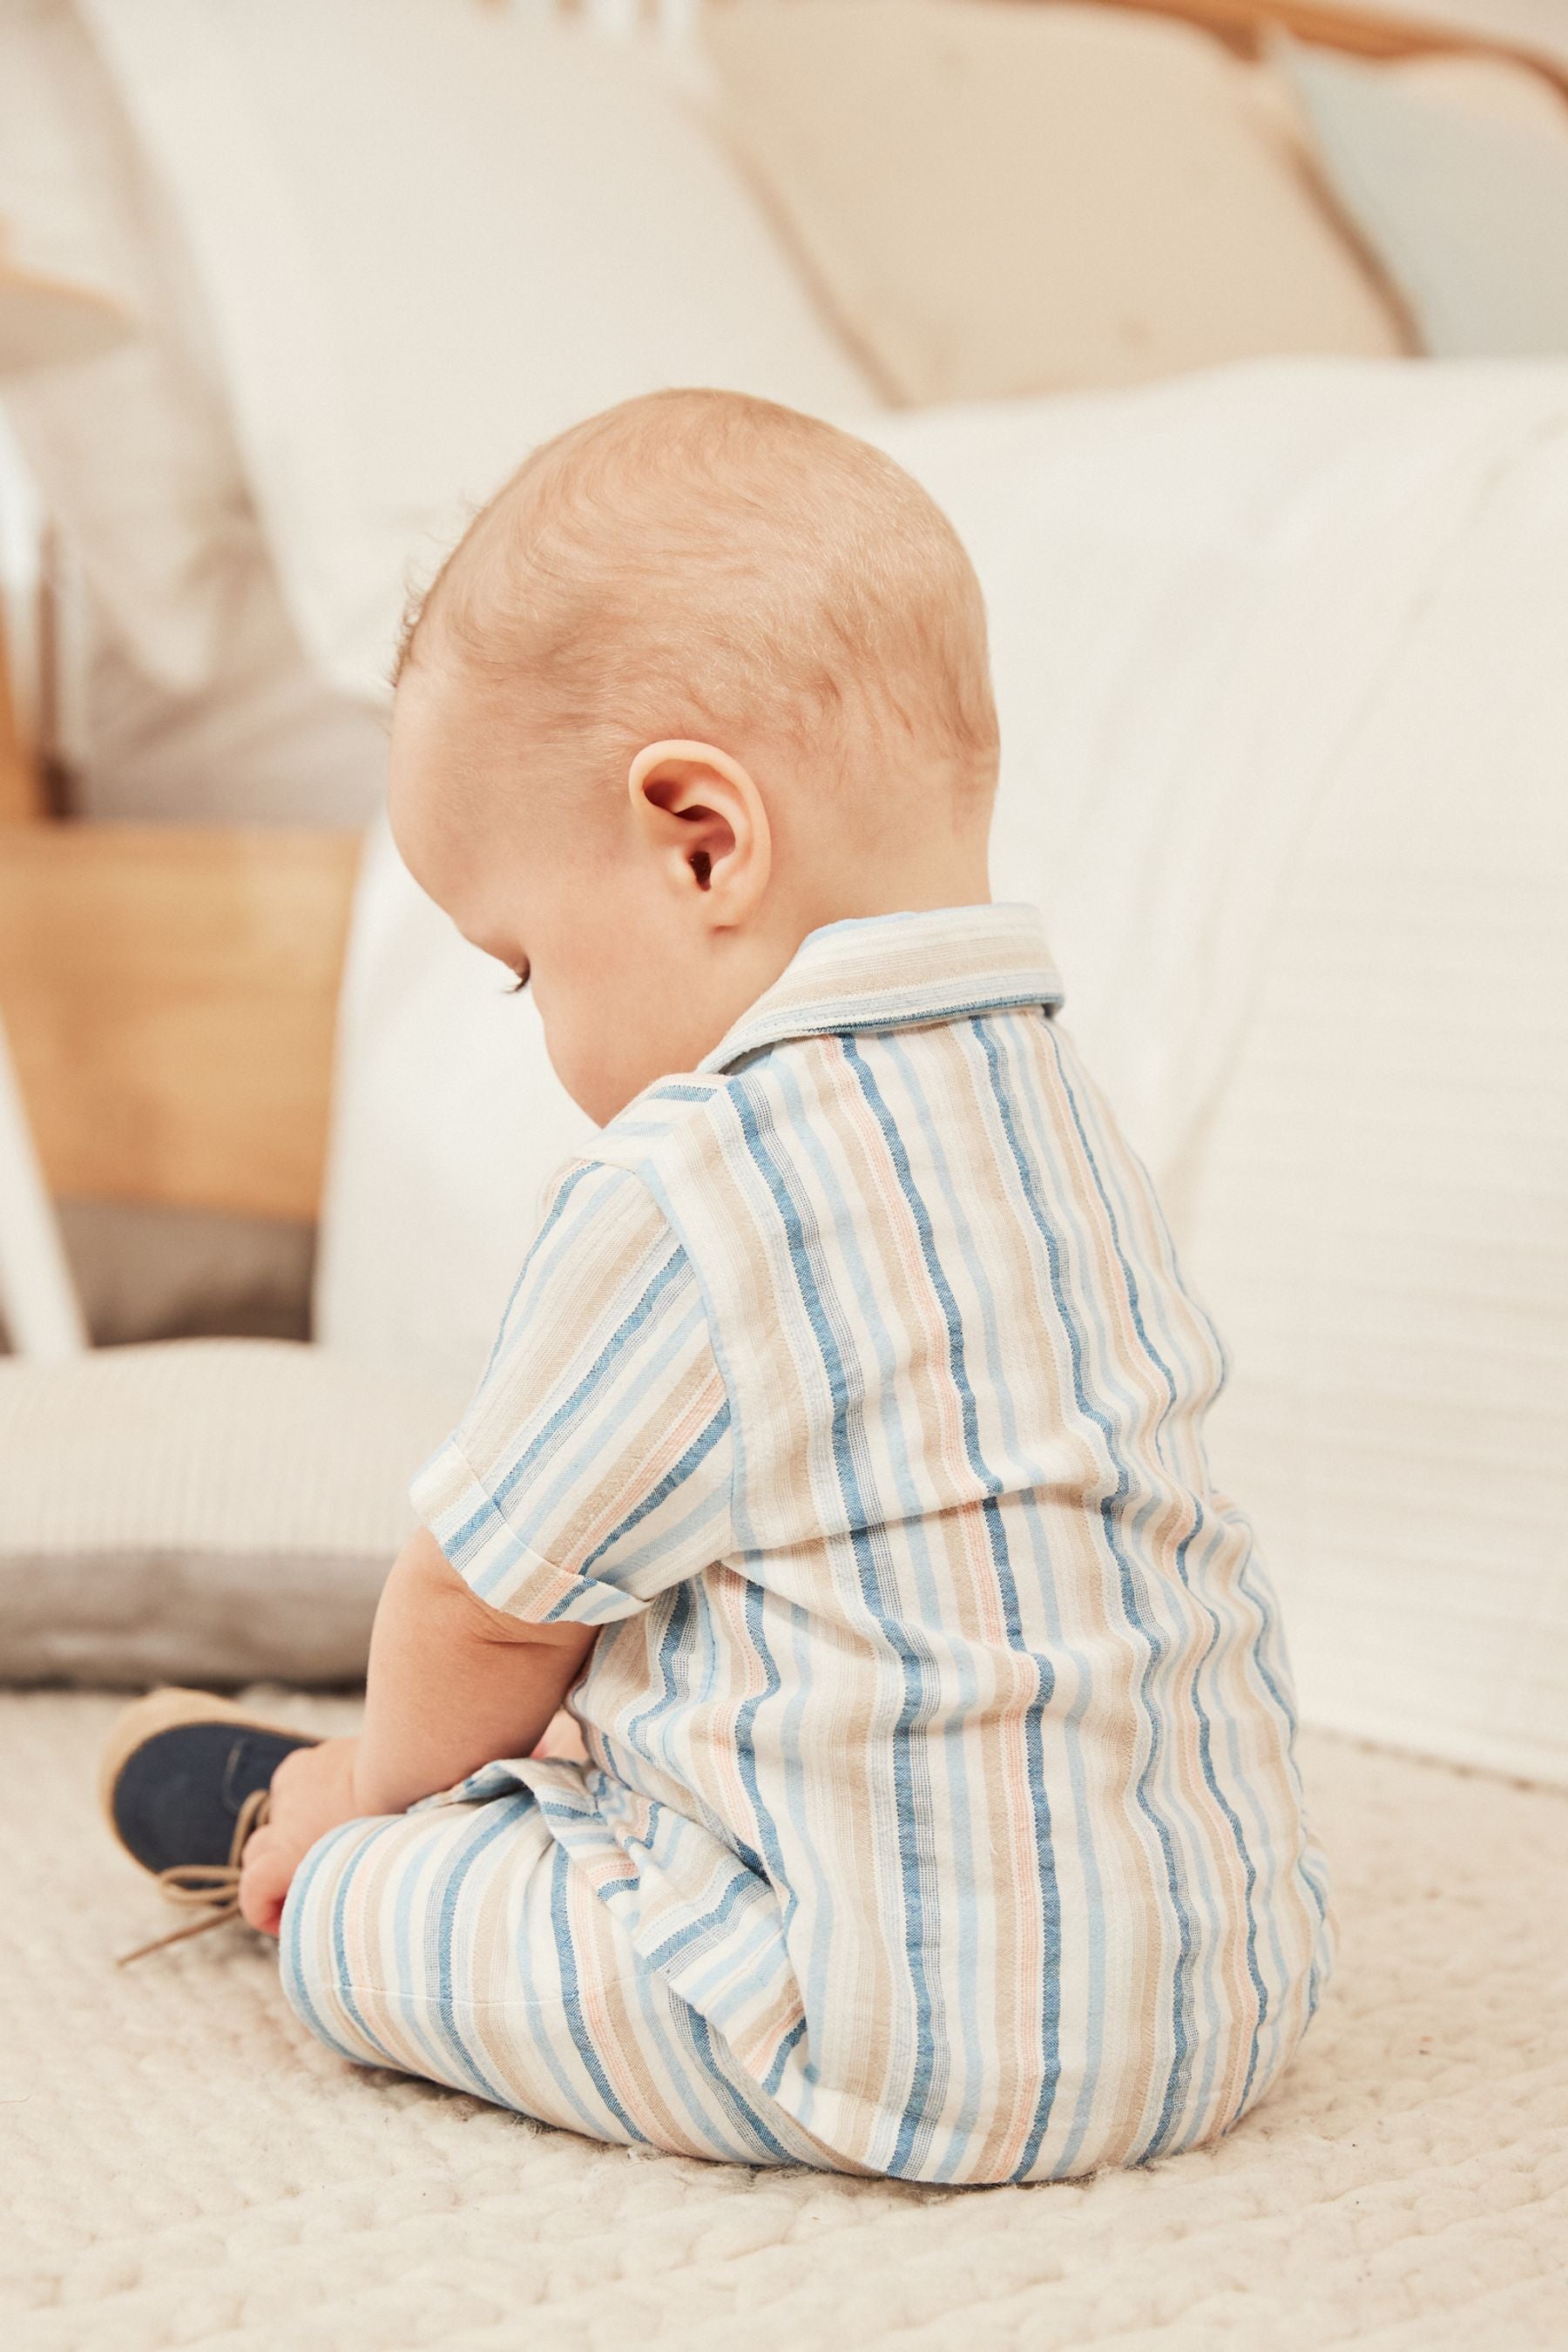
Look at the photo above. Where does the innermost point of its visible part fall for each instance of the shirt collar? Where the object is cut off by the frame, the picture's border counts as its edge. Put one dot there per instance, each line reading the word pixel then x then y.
pixel 896 971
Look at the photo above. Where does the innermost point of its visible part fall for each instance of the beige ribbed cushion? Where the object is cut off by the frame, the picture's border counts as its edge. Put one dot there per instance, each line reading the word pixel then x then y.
pixel 210 1511
pixel 1001 199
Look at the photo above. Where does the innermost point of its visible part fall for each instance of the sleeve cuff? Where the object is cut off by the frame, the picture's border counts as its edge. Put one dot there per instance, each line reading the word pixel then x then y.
pixel 493 1560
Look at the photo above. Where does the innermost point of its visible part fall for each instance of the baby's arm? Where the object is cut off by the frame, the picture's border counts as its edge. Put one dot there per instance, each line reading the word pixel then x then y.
pixel 452 1684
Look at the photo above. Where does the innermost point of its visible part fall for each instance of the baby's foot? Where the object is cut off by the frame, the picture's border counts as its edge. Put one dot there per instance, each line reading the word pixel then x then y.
pixel 184 1781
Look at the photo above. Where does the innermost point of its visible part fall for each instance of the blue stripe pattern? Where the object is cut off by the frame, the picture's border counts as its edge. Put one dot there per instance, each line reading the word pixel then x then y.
pixel 942 1817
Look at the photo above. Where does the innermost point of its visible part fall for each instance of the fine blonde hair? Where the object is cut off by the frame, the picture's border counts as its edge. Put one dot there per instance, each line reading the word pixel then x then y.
pixel 698 563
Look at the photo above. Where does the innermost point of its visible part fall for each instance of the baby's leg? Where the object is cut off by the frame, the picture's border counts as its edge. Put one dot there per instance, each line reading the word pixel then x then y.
pixel 458 1943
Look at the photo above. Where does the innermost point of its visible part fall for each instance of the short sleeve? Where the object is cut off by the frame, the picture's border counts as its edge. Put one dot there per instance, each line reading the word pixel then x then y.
pixel 592 1469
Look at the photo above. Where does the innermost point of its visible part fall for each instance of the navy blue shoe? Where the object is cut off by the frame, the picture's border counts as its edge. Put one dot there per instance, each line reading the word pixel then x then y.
pixel 184 1780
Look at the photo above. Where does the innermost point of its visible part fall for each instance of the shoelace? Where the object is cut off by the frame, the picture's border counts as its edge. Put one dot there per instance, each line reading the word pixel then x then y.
pixel 209 1886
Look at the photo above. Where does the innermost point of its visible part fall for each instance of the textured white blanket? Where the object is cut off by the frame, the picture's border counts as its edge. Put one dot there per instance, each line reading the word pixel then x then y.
pixel 179 2165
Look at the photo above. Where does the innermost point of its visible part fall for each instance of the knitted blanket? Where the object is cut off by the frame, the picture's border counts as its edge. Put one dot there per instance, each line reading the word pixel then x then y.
pixel 181 2164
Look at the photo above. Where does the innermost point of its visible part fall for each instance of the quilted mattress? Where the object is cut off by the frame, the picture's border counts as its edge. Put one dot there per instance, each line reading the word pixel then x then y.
pixel 180 2165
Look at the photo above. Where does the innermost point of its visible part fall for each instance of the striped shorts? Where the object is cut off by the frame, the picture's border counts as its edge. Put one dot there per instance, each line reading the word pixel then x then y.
pixel 457 1944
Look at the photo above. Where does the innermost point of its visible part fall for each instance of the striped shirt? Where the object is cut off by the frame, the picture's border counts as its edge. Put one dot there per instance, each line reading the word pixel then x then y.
pixel 941 1728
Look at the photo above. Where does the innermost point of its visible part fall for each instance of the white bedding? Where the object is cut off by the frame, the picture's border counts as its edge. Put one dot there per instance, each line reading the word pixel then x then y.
pixel 1280 655
pixel 1203 598
pixel 1284 709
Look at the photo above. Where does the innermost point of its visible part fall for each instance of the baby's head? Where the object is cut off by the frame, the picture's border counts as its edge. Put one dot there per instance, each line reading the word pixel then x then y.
pixel 705 674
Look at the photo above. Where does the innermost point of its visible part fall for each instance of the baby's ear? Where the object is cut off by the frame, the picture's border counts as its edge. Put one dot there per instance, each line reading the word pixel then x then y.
pixel 703 819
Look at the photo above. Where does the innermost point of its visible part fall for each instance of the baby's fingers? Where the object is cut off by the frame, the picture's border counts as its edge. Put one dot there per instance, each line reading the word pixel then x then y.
pixel 265 1874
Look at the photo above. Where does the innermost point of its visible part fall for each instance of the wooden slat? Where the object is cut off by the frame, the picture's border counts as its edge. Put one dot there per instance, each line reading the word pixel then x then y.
pixel 1360 32
pixel 171 996
pixel 21 786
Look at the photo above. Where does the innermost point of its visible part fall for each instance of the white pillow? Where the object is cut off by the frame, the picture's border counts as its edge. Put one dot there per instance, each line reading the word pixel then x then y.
pixel 212 1511
pixel 431 234
pixel 1279 657
pixel 133 450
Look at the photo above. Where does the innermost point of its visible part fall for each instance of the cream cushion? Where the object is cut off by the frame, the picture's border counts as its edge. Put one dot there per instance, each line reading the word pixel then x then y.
pixel 203 1511
pixel 1002 199
pixel 431 235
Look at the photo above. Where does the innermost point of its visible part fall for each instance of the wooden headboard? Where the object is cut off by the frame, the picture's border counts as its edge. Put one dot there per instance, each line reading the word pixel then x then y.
pixel 1243 25
pixel 1360 32
pixel 171 996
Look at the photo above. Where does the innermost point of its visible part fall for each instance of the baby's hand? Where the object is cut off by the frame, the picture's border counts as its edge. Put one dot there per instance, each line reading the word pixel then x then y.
pixel 312 1791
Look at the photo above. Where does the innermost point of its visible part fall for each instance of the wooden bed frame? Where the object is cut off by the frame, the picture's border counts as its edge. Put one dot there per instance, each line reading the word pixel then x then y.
pixel 169 993
pixel 170 996
pixel 1246 25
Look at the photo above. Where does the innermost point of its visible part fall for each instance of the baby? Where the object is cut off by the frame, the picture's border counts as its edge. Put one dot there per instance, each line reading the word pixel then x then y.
pixel 840 1456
